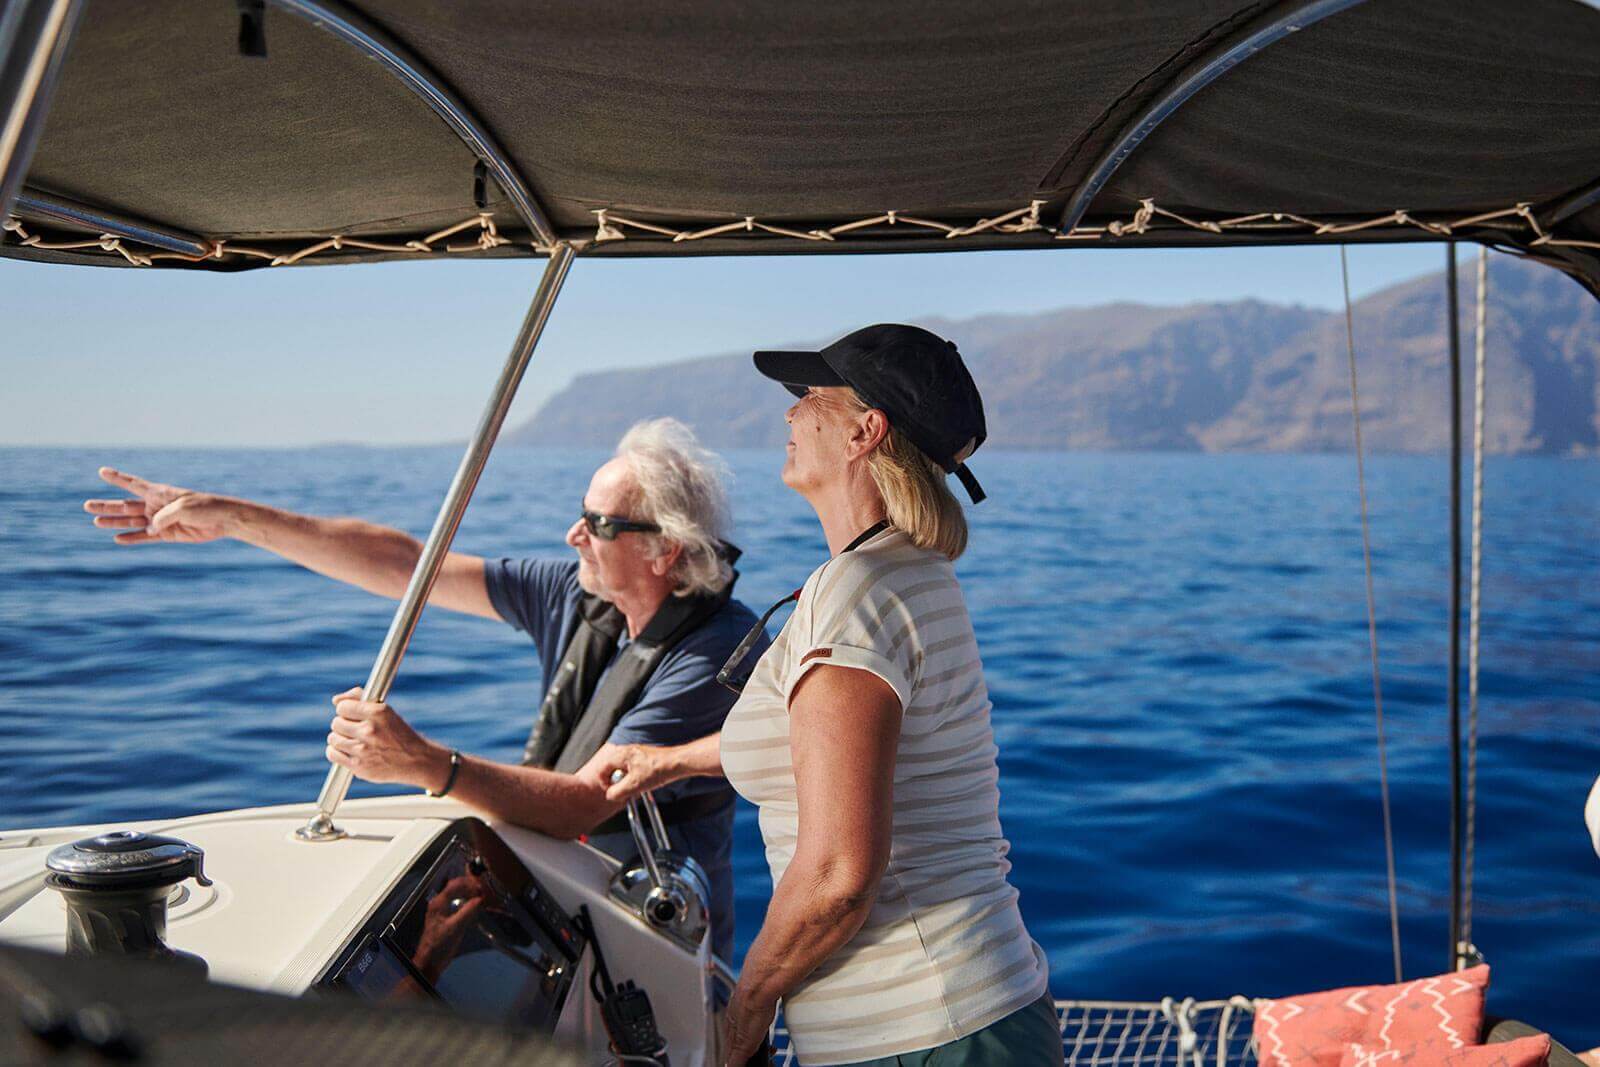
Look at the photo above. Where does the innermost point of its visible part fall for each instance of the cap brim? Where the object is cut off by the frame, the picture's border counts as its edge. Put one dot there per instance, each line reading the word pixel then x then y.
pixel 797 371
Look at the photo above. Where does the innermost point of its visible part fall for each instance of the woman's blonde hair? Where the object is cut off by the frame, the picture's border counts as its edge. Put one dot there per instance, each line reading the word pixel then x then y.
pixel 914 491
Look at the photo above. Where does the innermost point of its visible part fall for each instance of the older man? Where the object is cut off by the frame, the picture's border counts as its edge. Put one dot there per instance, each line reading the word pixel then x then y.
pixel 630 635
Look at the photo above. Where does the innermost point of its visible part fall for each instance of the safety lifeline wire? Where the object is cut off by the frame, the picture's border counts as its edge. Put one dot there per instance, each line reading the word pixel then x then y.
pixel 1372 620
pixel 1453 323
pixel 1467 953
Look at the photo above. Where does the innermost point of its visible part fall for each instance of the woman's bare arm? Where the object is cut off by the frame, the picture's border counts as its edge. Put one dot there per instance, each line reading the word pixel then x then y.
pixel 844 728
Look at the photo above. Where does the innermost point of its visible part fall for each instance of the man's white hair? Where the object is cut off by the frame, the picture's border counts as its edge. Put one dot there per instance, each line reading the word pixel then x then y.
pixel 680 485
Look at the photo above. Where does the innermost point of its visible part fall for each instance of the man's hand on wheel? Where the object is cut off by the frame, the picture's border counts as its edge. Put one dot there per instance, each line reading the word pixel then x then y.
pixel 159 512
pixel 642 768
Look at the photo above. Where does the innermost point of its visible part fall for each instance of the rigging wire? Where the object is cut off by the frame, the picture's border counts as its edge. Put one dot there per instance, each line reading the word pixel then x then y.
pixel 1372 620
pixel 1467 953
pixel 1453 319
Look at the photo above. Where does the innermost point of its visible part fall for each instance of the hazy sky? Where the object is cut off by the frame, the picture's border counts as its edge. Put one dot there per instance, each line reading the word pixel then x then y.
pixel 406 352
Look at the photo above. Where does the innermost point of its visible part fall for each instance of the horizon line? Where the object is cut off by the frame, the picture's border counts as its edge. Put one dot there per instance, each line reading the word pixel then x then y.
pixel 992 450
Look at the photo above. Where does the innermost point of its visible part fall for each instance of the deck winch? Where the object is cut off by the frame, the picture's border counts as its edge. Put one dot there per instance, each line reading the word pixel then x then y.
pixel 116 888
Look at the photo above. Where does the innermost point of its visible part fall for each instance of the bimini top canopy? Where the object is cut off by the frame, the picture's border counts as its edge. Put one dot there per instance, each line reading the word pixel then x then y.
pixel 217 135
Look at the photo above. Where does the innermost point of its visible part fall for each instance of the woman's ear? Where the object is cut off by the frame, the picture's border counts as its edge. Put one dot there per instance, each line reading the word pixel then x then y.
pixel 872 426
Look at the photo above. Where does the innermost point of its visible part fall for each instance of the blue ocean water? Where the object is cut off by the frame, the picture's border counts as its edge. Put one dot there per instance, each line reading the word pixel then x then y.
pixel 1176 647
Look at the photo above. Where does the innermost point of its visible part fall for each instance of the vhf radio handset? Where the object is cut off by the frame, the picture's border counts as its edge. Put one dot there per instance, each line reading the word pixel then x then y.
pixel 625 1008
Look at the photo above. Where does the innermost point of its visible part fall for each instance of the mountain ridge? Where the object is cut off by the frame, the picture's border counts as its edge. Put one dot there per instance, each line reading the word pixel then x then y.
pixel 1240 376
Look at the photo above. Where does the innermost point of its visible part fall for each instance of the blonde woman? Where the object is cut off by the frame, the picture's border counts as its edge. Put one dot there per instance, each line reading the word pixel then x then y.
pixel 863 736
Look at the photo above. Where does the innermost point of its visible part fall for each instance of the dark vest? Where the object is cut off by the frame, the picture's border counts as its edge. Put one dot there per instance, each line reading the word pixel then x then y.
pixel 580 709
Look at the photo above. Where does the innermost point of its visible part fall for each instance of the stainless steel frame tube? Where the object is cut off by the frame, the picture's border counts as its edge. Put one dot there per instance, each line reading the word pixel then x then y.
pixel 641 841
pixel 1208 71
pixel 34 36
pixel 31 203
pixel 349 26
pixel 321 827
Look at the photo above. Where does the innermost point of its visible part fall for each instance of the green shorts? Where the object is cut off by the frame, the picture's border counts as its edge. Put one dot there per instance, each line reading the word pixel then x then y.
pixel 1028 1037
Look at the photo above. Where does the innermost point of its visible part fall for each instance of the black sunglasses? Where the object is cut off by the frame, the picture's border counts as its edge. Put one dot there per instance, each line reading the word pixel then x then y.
pixel 730 677
pixel 606 527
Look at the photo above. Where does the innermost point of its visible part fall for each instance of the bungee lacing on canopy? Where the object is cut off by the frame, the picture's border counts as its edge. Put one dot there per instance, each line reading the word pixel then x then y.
pixel 488 238
pixel 613 227
pixel 1519 220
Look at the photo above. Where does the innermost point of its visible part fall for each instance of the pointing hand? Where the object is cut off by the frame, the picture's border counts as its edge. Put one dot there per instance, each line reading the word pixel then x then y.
pixel 159 512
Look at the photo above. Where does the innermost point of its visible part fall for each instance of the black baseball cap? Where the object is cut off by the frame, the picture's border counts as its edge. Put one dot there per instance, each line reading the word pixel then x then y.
pixel 913 376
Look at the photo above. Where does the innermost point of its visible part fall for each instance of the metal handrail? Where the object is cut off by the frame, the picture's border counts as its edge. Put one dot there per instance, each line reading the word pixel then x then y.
pixel 334 787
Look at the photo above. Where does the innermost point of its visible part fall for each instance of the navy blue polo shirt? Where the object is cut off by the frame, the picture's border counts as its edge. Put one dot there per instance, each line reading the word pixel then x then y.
pixel 681 702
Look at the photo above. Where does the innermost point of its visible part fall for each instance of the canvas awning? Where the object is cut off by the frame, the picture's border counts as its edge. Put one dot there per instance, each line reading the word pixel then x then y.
pixel 827 127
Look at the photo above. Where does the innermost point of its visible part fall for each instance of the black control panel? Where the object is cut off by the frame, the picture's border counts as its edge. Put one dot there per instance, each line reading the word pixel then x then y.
pixel 470 926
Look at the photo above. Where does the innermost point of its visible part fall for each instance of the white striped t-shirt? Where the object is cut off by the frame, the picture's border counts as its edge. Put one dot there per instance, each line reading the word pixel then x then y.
pixel 943 952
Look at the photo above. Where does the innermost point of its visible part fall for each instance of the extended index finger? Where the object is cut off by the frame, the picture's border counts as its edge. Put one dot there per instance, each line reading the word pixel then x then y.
pixel 131 482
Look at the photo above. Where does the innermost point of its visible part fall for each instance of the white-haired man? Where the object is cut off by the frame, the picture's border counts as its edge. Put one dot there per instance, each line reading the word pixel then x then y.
pixel 630 635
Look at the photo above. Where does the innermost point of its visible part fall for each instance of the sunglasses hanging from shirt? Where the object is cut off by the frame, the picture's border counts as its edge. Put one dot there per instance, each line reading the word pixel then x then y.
pixel 726 676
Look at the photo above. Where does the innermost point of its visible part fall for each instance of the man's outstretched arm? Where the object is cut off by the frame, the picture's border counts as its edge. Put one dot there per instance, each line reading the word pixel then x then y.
pixel 376 558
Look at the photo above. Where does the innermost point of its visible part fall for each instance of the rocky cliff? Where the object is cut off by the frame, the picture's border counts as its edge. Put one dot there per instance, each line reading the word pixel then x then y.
pixel 1243 376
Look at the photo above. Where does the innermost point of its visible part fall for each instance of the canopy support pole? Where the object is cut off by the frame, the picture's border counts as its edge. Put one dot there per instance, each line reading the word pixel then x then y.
pixel 321 826
pixel 1453 312
pixel 34 37
pixel 1179 93
pixel 342 22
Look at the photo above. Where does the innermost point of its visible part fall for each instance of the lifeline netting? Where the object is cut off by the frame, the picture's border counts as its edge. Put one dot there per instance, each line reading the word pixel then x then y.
pixel 1168 1033
pixel 1518 220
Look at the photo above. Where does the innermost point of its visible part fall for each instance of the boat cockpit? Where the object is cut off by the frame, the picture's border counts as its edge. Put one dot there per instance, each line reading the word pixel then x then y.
pixel 417 901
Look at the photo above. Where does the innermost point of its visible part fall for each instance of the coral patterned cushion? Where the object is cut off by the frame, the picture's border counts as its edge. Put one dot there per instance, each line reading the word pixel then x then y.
pixel 1314 1030
pixel 1532 1051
